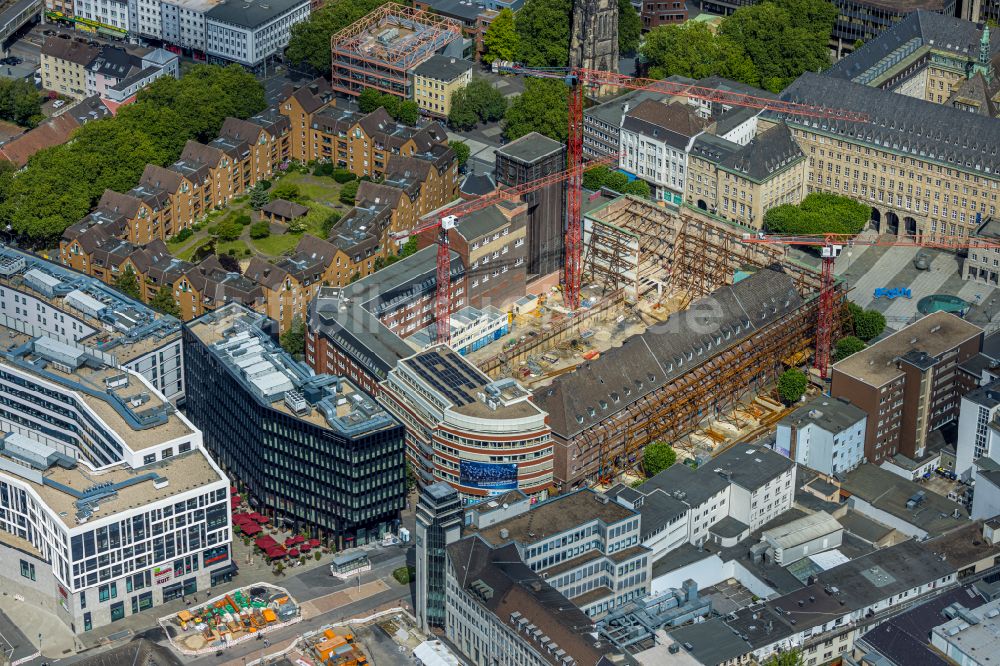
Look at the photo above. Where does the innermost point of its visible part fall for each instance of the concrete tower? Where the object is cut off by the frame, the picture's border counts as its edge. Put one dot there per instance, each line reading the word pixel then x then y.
pixel 593 41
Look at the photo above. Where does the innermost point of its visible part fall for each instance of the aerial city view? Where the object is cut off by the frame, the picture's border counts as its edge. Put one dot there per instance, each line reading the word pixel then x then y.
pixel 499 332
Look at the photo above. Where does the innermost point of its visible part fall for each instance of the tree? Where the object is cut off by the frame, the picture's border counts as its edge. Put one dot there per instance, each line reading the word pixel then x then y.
pixel 869 324
pixel 639 188
pixel 789 658
pixel 846 346
pixel 287 191
pixel 343 176
pixel 229 230
pixel 369 100
pixel 462 115
pixel 477 102
pixel 542 107
pixel 165 302
pixel 542 28
pixel 61 184
pixel 629 27
pixel 309 43
pixel 818 213
pixel 783 38
pixel 294 339
pixel 411 477
pixel 500 39
pixel 692 50
pixel 258 197
pixel 260 230
pixel 657 457
pixel 792 385
pixel 128 283
pixel 462 151
pixel 408 113
pixel 349 192
pixel 20 102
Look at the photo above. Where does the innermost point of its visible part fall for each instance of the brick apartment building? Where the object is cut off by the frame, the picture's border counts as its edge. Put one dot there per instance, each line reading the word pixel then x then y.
pixel 908 383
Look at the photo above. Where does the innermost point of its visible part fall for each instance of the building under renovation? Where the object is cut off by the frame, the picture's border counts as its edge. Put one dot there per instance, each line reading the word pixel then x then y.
pixel 751 313
pixel 638 246
pixel 380 50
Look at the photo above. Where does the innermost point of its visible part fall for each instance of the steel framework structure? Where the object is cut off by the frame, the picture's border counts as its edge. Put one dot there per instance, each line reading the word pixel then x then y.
pixel 361 59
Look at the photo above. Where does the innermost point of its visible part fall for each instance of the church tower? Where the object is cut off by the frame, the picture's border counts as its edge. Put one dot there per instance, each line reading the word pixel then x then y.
pixel 594 35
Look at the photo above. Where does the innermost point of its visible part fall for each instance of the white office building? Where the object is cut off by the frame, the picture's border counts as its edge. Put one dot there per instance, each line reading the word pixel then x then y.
pixel 41 298
pixel 826 435
pixel 249 32
pixel 978 435
pixel 107 498
pixel 109 12
pixel 655 140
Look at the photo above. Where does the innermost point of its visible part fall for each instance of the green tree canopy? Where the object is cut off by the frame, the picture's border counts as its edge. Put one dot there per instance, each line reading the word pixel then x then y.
pixel 869 324
pixel 788 658
pixel 602 176
pixel 462 151
pixel 20 102
pixel 656 457
pixel 629 27
pixel 128 283
pixel 500 38
pixel 349 192
pixel 310 39
pixel 846 346
pixel 260 230
pixel 767 44
pixel 404 111
pixel 543 32
pixel 818 213
pixel 259 197
pixel 229 230
pixel 792 385
pixel 294 339
pixel 543 107
pixel 477 102
pixel 61 184
pixel 287 191
pixel 165 302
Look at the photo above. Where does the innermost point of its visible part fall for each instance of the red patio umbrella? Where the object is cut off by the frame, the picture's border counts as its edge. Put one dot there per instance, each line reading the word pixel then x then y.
pixel 250 529
pixel 314 543
pixel 289 542
pixel 241 518
pixel 294 552
pixel 233 491
pixel 266 542
pixel 305 548
pixel 275 552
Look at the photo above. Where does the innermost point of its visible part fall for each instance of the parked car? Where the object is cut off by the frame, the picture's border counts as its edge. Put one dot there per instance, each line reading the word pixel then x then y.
pixel 58 104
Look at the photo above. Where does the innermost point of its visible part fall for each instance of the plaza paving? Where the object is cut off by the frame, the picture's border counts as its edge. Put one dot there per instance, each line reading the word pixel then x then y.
pixel 867 268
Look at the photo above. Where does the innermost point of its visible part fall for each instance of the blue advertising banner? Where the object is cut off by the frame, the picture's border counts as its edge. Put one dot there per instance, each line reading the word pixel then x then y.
pixel 488 476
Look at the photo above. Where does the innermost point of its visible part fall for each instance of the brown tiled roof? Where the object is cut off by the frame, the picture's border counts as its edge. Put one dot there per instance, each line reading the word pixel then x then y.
pixel 119 203
pixel 265 273
pixel 199 152
pixel 160 177
pixel 213 281
pixel 378 193
pixel 677 117
pixel 377 122
pixel 313 96
pixel 286 209
pixel 240 130
pixel 80 53
pixel 407 167
pixel 52 132
pixel 311 248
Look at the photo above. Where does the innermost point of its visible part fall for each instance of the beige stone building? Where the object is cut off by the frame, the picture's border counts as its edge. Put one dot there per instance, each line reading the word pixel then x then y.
pixel 64 65
pixel 924 168
pixel 436 80
pixel 740 183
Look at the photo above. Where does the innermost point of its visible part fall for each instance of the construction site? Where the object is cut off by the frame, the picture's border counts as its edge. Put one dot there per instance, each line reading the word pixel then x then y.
pixel 379 50
pixel 682 332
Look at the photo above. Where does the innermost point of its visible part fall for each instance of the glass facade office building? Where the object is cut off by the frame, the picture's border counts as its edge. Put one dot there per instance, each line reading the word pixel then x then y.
pixel 313 451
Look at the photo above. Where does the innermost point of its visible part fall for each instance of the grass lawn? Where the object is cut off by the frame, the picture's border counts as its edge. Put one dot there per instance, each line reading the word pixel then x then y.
pixel 189 252
pixel 276 245
pixel 317 188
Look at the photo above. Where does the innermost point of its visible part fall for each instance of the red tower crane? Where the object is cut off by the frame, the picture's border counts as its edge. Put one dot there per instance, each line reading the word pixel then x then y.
pixel 830 246
pixel 447 218
pixel 578 80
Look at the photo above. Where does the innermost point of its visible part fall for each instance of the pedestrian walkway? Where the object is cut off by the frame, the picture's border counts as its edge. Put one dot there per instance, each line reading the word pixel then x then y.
pixel 329 602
